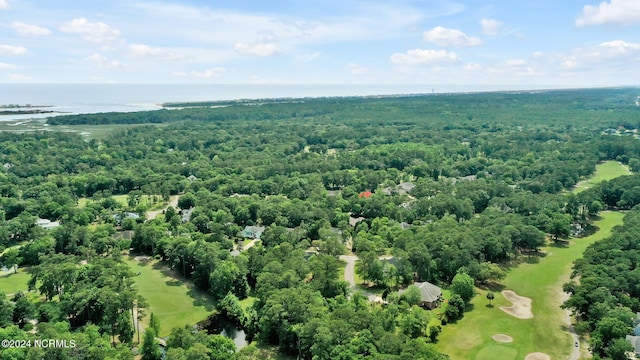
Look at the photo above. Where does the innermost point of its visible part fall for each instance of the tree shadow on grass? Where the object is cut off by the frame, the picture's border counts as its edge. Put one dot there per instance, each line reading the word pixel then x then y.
pixel 201 299
pixel 492 286
pixel 561 243
pixel 173 283
pixel 469 307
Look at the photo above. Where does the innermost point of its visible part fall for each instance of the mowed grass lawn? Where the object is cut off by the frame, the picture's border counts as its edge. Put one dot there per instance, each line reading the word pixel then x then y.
pixel 470 338
pixel 175 302
pixel 123 200
pixel 11 283
pixel 607 170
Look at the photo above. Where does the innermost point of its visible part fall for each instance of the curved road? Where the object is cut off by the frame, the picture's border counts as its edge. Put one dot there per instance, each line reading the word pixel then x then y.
pixel 173 201
pixel 350 277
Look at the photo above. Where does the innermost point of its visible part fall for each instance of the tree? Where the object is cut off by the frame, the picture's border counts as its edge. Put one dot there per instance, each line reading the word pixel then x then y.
pixel 490 271
pixel 230 307
pixel 412 295
pixel 187 201
pixel 23 310
pixel 125 327
pixel 455 308
pixel 11 258
pixel 560 225
pixel 462 284
pixel 434 331
pixel 414 322
pixel 154 323
pixel 150 347
pixel 490 297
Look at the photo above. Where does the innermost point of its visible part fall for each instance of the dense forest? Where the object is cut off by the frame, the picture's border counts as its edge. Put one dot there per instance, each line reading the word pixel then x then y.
pixel 456 188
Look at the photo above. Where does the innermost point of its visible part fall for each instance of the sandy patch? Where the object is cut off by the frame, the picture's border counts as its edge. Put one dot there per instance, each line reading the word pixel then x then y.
pixel 521 307
pixel 502 338
pixel 142 258
pixel 537 356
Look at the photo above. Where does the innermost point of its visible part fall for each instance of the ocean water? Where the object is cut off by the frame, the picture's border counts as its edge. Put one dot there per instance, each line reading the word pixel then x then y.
pixel 95 98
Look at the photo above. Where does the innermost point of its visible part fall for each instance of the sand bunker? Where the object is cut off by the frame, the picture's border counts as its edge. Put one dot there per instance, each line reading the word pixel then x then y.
pixel 142 258
pixel 521 307
pixel 502 338
pixel 537 356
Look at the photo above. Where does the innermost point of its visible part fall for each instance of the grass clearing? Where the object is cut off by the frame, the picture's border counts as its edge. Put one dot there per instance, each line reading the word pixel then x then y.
pixel 11 282
pixel 607 170
pixel 152 202
pixel 176 303
pixel 541 282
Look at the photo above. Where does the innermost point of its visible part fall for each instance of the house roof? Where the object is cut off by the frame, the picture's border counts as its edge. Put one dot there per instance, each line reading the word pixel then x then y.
pixel 253 231
pixel 365 194
pixel 428 291
pixel 47 224
pixel 635 342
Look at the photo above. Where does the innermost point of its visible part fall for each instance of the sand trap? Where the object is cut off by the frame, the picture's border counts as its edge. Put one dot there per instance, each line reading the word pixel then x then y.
pixel 502 338
pixel 537 356
pixel 521 307
pixel 142 258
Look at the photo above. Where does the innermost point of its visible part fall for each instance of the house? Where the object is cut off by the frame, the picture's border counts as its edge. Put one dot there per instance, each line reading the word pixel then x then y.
pixel 365 194
pixel 186 215
pixel 635 342
pixel 253 232
pixel 431 295
pixel 353 221
pixel 119 218
pixel 47 224
pixel 192 178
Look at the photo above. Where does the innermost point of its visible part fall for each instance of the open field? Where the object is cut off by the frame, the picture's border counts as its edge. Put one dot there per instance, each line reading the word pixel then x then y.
pixel 146 200
pixel 11 283
pixel 546 332
pixel 175 302
pixel 607 170
pixel 88 131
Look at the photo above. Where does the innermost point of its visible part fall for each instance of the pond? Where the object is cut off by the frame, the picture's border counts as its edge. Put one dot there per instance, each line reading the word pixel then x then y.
pixel 218 324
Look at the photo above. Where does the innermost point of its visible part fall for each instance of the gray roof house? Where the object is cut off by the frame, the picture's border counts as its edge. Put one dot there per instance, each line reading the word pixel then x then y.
pixel 635 342
pixel 119 218
pixel 47 224
pixel 186 215
pixel 431 295
pixel 253 232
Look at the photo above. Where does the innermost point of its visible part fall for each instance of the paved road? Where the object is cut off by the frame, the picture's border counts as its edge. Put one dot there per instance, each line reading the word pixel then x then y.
pixel 350 277
pixel 575 354
pixel 173 201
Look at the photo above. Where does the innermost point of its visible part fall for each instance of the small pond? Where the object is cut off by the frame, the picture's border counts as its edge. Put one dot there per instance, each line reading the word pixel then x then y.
pixel 218 324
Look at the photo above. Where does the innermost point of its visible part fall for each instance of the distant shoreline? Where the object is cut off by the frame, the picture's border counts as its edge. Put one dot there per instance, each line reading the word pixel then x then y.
pixel 26 112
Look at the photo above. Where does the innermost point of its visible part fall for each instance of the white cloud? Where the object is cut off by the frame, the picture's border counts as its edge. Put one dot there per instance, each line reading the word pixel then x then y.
pixel 617 54
pixel 5 66
pixel 620 47
pixel 4 5
pixel 515 62
pixel 259 49
pixel 214 72
pixel 450 37
pixel 29 30
pixel 141 50
pixel 12 50
pixel 491 26
pixel 93 32
pixel 613 12
pixel 355 69
pixel 423 57
pixel 104 62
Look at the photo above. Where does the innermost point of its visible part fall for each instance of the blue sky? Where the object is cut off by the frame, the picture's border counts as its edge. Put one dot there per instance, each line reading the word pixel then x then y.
pixel 482 43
